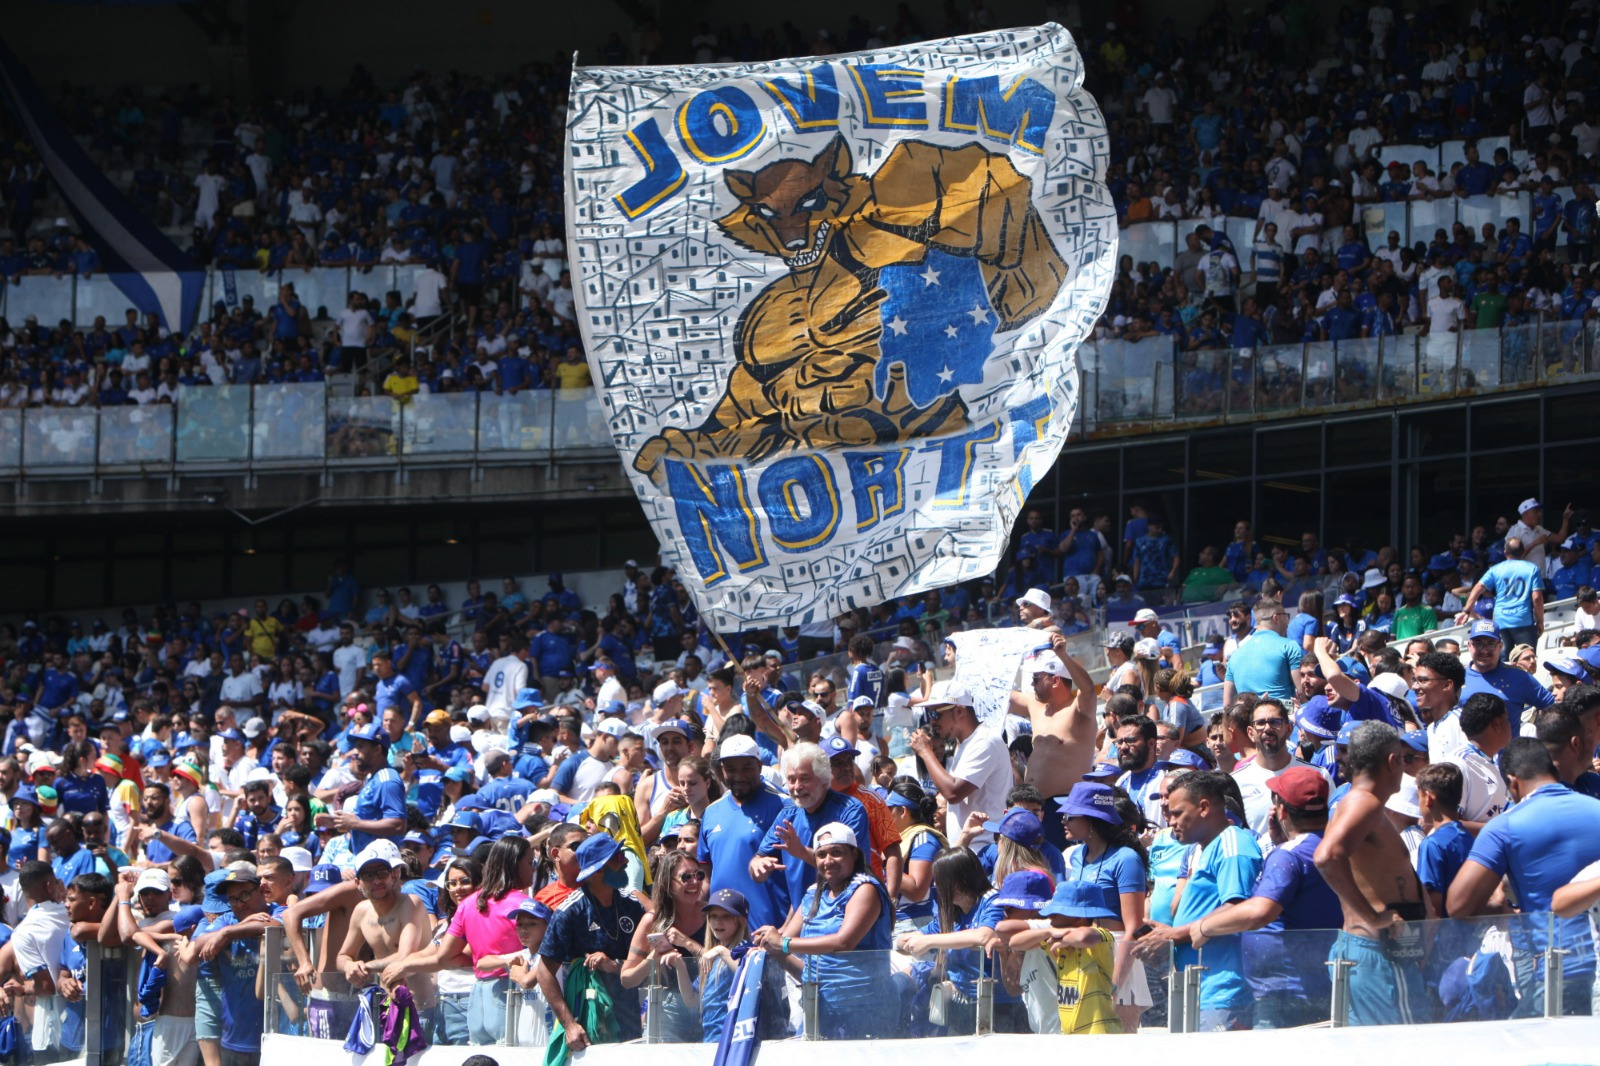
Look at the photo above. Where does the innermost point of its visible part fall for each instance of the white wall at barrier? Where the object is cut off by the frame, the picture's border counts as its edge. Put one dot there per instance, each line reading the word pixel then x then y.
pixel 1533 1042
pixel 1408 154
pixel 1147 241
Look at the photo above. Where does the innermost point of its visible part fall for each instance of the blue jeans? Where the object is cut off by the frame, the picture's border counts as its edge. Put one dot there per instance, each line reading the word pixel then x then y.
pixel 450 1021
pixel 486 1011
pixel 1511 636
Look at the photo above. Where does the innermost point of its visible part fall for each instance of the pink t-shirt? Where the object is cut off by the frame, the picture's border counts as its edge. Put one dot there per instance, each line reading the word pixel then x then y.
pixel 492 933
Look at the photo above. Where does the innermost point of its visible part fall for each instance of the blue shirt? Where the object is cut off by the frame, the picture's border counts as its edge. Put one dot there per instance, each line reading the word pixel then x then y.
pixel 506 793
pixel 1441 855
pixel 730 836
pixel 580 926
pixel 1517 687
pixel 1293 963
pixel 1115 872
pixel 1265 665
pixel 1225 871
pixel 552 651
pixel 1512 584
pixel 1540 844
pixel 1301 626
pixel 81 862
pixel 383 796
pixel 866 679
pixel 396 693
pixel 837 807
pixel 236 970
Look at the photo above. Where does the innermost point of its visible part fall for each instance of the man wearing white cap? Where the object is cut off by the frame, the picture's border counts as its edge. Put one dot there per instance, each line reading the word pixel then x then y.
pixel 732 828
pixel 582 772
pixel 1034 609
pixel 1061 708
pixel 153 893
pixel 1534 536
pixel 658 793
pixel 387 924
pixel 979 776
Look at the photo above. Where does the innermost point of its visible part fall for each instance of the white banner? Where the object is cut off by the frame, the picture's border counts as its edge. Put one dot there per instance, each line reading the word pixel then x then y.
pixel 987 662
pixel 831 306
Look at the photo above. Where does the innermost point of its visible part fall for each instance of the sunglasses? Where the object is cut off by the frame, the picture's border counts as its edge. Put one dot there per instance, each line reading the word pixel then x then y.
pixel 692 878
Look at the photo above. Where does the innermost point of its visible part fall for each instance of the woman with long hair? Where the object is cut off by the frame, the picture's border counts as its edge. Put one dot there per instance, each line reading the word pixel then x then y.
pixel 669 939
pixel 915 815
pixel 27 833
pixel 966 919
pixel 462 878
pixel 701 787
pixel 1147 660
pixel 483 925
pixel 295 829
pixel 1173 690
pixel 79 786
pixel 838 937
pixel 1113 858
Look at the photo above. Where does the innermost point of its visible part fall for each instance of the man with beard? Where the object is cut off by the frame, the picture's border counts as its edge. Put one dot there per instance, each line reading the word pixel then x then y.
pixel 1269 728
pixel 1136 758
pixel 387 924
pixel 733 826
pixel 658 793
pixel 259 815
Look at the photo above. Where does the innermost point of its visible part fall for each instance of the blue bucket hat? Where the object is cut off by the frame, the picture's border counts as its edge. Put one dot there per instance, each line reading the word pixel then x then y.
pixel 1106 771
pixel 214 902
pixel 1091 799
pixel 1346 731
pixel 1318 718
pixel 1078 899
pixel 528 697
pixel 594 853
pixel 1026 890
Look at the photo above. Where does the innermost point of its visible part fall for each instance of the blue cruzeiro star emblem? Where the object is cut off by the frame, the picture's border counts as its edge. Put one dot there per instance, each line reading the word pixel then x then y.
pixel 937 324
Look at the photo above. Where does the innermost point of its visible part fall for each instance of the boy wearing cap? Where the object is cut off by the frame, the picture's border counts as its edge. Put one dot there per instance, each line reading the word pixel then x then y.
pixel 380 810
pixel 1366 863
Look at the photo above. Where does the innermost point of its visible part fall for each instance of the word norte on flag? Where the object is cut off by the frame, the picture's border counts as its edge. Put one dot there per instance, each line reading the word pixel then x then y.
pixel 832 306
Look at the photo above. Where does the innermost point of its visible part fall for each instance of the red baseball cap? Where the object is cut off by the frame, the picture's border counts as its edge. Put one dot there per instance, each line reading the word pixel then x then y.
pixel 1301 787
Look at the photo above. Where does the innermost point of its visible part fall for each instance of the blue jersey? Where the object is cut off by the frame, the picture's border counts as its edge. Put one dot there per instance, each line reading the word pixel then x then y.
pixel 1225 871
pixel 81 862
pixel 1441 855
pixel 837 807
pixel 1265 665
pixel 1518 688
pixel 730 836
pixel 1116 872
pixel 395 692
pixel 1512 584
pixel 1540 844
pixel 866 679
pixel 1293 964
pixel 581 926
pixel 382 797
pixel 506 793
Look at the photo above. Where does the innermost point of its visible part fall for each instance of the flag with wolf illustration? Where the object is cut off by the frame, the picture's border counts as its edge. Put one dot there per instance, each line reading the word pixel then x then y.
pixel 831 306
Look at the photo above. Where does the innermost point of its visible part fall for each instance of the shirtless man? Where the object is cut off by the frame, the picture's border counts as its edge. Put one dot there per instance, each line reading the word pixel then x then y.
pixel 324 910
pixel 1365 862
pixel 1061 709
pixel 166 1006
pixel 387 924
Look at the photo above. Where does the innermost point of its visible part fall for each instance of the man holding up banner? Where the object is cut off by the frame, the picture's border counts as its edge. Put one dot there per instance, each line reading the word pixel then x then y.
pixel 1061 709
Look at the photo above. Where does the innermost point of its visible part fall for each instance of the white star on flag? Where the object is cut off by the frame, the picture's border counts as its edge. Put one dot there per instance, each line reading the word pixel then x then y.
pixel 930 276
pixel 979 315
pixel 946 374
pixel 899 325
pixel 951 331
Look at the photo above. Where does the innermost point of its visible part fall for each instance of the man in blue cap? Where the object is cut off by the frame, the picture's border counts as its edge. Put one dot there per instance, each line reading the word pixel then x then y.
pixel 381 805
pixel 1487 673
pixel 227 1008
pixel 593 927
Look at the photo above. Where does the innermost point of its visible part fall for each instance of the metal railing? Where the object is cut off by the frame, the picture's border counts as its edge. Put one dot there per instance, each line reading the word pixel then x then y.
pixel 262 427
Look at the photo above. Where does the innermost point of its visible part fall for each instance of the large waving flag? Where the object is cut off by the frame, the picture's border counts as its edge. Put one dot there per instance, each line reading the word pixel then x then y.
pixel 152 272
pixel 832 306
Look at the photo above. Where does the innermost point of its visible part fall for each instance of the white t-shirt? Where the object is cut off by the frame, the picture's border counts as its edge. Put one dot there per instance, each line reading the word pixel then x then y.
pixel 1483 790
pixel 1444 312
pixel 38 938
pixel 238 689
pixel 353 326
pixel 983 761
pixel 590 775
pixel 1526 533
pixel 1158 101
pixel 429 285
pixel 1445 738
pixel 507 675
pixel 349 661
pixel 1252 780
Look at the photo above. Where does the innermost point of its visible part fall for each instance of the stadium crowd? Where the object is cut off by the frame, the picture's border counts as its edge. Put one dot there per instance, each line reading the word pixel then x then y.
pixel 1265 115
pixel 567 800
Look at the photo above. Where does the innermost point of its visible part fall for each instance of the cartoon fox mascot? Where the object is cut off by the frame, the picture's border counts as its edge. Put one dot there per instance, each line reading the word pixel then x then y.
pixel 808 345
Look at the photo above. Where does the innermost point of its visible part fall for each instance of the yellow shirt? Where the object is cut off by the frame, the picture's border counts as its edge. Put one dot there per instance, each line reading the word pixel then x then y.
pixel 264 634
pixel 1085 993
pixel 573 375
pixel 401 386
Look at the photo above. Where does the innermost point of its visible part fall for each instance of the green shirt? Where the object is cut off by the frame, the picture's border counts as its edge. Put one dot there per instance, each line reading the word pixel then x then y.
pixel 1488 309
pixel 1414 621
pixel 1203 582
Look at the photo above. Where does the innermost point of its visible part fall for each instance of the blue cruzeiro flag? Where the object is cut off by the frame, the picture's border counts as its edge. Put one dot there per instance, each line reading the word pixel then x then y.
pixel 832 305
pixel 154 274
pixel 741 1034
